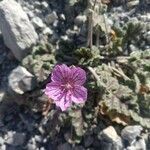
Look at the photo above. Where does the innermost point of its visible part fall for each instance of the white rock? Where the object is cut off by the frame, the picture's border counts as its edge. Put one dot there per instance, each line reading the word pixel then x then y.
pixel 3 147
pixel 15 139
pixel 37 23
pixel 64 37
pixel 31 7
pixel 71 32
pixel 44 4
pixel 148 17
pixel 47 31
pixel 130 133
pixel 1 141
pixel 38 138
pixel 37 12
pixel 50 18
pixel 130 148
pixel 140 144
pixel 25 9
pixel 132 3
pixel 110 136
pixel 30 14
pixel 37 4
pixel 55 24
pixel 18 32
pixel 148 33
pixel 31 146
pixel 2 95
pixel 20 80
pixel 79 20
pixel 62 17
pixel 76 28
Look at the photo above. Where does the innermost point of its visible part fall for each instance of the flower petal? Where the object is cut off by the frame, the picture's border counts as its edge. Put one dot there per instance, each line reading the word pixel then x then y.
pixel 79 94
pixel 60 72
pixel 54 91
pixel 78 75
pixel 65 102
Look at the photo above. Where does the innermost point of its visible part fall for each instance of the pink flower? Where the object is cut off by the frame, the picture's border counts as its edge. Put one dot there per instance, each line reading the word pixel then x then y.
pixel 66 86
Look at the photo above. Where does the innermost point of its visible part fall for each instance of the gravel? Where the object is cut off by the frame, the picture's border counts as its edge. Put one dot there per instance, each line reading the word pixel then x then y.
pixel 22 128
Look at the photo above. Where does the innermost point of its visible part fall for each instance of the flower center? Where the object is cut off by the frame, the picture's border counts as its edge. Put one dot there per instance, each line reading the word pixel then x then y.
pixel 68 86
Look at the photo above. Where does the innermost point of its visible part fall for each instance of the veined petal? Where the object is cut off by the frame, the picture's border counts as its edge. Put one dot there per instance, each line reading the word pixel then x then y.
pixel 60 73
pixel 65 102
pixel 79 94
pixel 53 90
pixel 78 75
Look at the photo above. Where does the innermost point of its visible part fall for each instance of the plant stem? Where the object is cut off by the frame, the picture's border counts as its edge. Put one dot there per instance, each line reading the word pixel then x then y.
pixel 90 30
pixel 96 76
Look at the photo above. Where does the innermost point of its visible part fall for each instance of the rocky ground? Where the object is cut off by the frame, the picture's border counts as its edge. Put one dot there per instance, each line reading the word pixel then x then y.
pixel 34 36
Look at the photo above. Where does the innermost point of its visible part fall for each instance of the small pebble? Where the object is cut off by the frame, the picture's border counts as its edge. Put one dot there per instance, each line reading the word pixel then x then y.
pixel 130 133
pixel 3 147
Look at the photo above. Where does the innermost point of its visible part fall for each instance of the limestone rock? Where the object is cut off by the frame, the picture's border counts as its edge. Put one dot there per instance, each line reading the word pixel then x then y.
pixel 110 139
pixel 132 3
pixel 20 80
pixel 51 18
pixel 44 4
pixel 18 32
pixel 37 23
pixel 130 133
pixel 47 31
pixel 79 20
